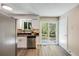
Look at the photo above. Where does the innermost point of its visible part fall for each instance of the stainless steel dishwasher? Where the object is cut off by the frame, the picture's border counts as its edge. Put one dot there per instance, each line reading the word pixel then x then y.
pixel 31 42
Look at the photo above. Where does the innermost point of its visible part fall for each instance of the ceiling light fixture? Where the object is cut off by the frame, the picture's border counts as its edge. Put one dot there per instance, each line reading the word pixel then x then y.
pixel 7 7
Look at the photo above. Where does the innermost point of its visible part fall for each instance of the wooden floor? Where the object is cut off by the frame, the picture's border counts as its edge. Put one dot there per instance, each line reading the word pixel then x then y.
pixel 43 50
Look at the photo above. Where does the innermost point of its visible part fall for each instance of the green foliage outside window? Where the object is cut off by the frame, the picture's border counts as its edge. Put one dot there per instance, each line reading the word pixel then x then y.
pixel 27 25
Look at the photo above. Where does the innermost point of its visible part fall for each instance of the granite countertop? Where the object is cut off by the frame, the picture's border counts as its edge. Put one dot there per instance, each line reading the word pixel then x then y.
pixel 27 34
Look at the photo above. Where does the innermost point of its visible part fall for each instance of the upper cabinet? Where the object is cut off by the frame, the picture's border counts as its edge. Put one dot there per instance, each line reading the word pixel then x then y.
pixel 24 25
pixel 28 24
pixel 35 24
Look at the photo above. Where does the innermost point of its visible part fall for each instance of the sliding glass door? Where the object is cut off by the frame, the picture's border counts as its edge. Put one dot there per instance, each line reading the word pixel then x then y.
pixel 44 31
pixel 52 32
pixel 48 33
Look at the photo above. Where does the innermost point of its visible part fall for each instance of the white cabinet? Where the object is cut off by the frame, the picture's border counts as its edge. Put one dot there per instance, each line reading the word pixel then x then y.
pixel 35 24
pixel 37 41
pixel 21 42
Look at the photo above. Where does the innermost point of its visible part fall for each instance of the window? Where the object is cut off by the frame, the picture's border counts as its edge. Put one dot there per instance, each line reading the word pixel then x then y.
pixel 27 25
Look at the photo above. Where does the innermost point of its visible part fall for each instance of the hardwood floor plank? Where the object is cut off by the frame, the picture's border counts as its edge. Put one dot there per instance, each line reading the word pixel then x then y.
pixel 43 50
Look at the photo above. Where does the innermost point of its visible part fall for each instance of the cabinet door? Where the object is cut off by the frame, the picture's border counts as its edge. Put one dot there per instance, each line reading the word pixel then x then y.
pixel 21 42
pixel 35 24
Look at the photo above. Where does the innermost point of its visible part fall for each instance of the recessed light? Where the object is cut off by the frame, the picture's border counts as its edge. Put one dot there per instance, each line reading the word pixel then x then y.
pixel 7 7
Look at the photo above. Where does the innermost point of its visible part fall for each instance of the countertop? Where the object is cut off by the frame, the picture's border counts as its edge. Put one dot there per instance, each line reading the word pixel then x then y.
pixel 27 34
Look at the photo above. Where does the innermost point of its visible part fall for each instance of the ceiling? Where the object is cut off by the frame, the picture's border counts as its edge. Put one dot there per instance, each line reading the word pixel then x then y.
pixel 41 9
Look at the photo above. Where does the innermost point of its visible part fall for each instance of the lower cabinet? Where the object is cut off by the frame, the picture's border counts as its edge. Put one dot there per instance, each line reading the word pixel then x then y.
pixel 21 42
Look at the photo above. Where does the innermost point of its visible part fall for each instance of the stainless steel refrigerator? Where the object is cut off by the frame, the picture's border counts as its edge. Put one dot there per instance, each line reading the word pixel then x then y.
pixel 7 36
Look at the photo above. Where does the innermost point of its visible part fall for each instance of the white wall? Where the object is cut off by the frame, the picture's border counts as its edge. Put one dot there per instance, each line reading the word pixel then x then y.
pixel 73 30
pixel 50 19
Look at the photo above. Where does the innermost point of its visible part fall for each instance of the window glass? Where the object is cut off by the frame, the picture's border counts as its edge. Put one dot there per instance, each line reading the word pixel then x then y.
pixel 29 25
pixel 25 25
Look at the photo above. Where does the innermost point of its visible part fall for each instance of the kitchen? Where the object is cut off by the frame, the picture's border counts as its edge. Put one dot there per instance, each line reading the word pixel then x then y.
pixel 28 30
pixel 29 34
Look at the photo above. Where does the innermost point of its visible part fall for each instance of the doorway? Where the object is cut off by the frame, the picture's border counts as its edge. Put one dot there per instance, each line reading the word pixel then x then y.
pixel 48 32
